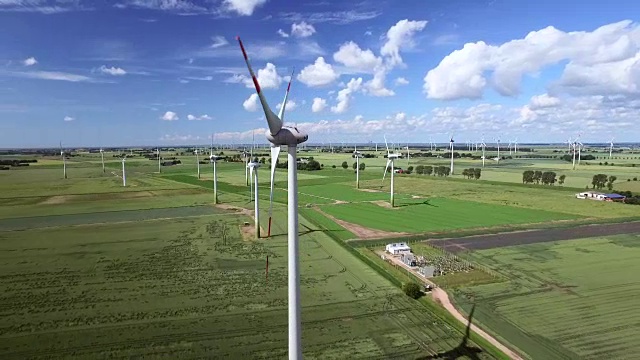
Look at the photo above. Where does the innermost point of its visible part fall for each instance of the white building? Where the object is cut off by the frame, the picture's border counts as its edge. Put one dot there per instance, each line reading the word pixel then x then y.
pixel 397 248
pixel 592 195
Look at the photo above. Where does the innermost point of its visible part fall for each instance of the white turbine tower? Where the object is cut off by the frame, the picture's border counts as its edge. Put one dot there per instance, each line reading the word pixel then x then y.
pixel 214 159
pixel 102 155
pixel 483 146
pixel 159 167
pixel 580 146
pixel 611 148
pixel 451 147
pixel 124 174
pixel 509 146
pixel 253 173
pixel 357 155
pixel 197 151
pixel 278 135
pixel 390 160
pixel 498 143
pixel 64 161
pixel 515 146
pixel 245 158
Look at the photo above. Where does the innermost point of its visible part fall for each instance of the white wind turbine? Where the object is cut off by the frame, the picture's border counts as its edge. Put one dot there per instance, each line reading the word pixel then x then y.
pixel 124 174
pixel 451 147
pixel 64 161
pixel 498 143
pixel 214 159
pixel 357 155
pixel 483 146
pixel 572 148
pixel 158 153
pixel 102 155
pixel 278 135
pixel 515 146
pixel 580 146
pixel 509 146
pixel 611 148
pixel 390 159
pixel 197 152
pixel 275 153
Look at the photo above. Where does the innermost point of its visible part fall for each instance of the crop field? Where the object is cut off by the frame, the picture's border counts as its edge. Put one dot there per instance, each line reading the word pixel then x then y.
pixel 91 269
pixel 438 214
pixel 570 299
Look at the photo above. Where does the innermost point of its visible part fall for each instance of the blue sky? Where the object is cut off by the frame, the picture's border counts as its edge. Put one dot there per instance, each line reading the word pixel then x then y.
pixel 138 72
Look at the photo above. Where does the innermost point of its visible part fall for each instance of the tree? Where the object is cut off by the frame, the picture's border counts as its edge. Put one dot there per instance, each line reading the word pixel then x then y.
pixel 420 169
pixel 409 169
pixel 527 176
pixel 354 165
pixel 412 290
pixel 263 160
pixel 428 170
pixel 465 173
pixel 561 179
pixel 345 165
pixel 333 166
pixel 362 166
pixel 610 182
pixel 477 172
pixel 537 176
pixel 598 181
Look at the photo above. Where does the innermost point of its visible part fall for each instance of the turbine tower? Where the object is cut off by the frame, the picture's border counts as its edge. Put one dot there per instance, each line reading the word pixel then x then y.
pixel 498 143
pixel 515 146
pixel 610 148
pixel 158 153
pixel 357 155
pixel 102 155
pixel 390 159
pixel 580 146
pixel 124 174
pixel 483 146
pixel 253 172
pixel 278 135
pixel 198 162
pixel 451 146
pixel 64 161
pixel 214 159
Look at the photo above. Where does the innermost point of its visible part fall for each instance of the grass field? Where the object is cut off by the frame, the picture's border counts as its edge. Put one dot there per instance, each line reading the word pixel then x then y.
pixel 91 269
pixel 572 299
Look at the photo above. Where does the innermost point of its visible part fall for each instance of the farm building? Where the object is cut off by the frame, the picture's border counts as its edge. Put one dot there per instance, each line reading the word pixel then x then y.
pixel 427 271
pixel 397 248
pixel 614 197
pixel 594 195
pixel 408 259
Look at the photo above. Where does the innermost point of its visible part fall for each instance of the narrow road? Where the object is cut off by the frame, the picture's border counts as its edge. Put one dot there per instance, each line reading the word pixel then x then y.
pixel 441 297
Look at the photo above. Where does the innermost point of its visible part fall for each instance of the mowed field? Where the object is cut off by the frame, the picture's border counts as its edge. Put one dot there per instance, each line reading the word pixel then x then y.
pixel 90 269
pixel 570 299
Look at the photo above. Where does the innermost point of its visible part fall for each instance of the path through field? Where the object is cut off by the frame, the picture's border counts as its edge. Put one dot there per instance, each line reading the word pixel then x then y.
pixel 482 242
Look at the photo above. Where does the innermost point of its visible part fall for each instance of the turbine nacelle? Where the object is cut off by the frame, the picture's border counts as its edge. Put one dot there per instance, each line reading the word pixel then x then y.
pixel 288 135
pixel 394 156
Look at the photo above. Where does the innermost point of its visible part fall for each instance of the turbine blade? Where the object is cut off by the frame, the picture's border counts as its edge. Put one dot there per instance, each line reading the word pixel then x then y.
pixel 274 122
pixel 286 96
pixel 385 143
pixel 385 170
pixel 275 151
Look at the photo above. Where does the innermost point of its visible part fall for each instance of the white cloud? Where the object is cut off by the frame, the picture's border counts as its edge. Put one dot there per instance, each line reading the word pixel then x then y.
pixel 318 105
pixel 68 118
pixel 302 29
pixel 282 33
pixel 218 41
pixel 336 17
pixel 543 101
pixel 53 75
pixel 291 105
pixel 180 138
pixel 368 33
pixel 243 7
pixel 169 116
pixel 29 61
pixel 400 116
pixel 251 104
pixel 401 81
pixel 318 74
pixel 353 57
pixel 400 36
pixel 201 117
pixel 345 95
pixel 376 87
pixel 184 7
pixel 40 6
pixel 115 71
pixel 604 61
pixel 268 78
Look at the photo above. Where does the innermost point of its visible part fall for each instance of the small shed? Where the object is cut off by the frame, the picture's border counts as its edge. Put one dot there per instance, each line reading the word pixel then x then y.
pixel 397 248
pixel 409 259
pixel 427 271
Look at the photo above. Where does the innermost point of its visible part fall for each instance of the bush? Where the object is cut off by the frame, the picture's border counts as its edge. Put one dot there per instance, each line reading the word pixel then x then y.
pixel 412 290
pixel 333 166
pixel 345 165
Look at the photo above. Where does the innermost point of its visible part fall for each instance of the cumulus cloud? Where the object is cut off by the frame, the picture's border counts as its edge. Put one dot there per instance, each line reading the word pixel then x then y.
pixel 318 74
pixel 201 117
pixel 354 58
pixel 251 104
pixel 602 62
pixel 282 33
pixel 401 81
pixel 543 101
pixel 115 71
pixel 243 7
pixel 68 118
pixel 376 87
pixel 400 36
pixel 29 61
pixel 218 41
pixel 318 105
pixel 345 95
pixel 302 30
pixel 169 116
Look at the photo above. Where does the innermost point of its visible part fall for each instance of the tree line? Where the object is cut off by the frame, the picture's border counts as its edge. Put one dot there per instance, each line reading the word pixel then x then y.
pixel 599 181
pixel 546 178
pixel 435 170
pixel 472 173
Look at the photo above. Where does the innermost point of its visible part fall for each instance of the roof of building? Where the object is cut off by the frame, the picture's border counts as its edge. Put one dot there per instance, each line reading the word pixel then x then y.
pixel 615 196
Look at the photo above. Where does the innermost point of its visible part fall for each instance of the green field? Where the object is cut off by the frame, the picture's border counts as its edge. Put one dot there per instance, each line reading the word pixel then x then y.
pixel 572 299
pixel 438 214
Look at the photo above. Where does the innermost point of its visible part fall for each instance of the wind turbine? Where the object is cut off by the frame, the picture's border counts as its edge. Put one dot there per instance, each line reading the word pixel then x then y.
pixel 611 148
pixel 245 159
pixel 498 143
pixel 357 155
pixel 515 146
pixel 483 146
pixel 124 174
pixel 102 155
pixel 572 148
pixel 580 146
pixel 451 146
pixel 158 153
pixel 214 159
pixel 64 161
pixel 197 151
pixel 278 135
pixel 509 146
pixel 408 155
pixel 390 159
pixel 253 172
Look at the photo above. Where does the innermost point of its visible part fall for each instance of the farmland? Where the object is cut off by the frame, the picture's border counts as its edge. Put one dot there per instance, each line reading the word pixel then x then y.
pixel 573 299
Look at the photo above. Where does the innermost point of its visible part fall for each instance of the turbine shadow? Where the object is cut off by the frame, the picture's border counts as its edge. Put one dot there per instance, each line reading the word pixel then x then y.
pixel 426 202
pixel 462 350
